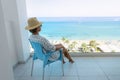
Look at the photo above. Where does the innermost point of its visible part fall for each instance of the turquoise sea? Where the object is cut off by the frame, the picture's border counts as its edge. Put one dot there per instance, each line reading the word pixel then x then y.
pixel 85 28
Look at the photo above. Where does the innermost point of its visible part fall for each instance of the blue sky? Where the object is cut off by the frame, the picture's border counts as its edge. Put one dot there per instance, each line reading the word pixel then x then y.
pixel 73 8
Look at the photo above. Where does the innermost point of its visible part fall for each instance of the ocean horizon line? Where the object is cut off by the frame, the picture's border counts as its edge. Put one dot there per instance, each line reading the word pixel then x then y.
pixel 77 19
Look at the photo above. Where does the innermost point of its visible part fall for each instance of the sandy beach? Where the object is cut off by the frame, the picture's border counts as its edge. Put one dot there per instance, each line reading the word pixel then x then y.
pixel 86 46
pixel 90 45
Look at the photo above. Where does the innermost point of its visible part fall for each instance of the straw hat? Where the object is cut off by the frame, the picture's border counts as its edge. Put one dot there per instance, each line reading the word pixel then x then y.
pixel 33 23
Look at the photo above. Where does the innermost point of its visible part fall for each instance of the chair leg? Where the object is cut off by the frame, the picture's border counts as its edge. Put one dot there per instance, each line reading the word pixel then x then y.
pixel 62 65
pixel 49 71
pixel 43 73
pixel 62 68
pixel 32 67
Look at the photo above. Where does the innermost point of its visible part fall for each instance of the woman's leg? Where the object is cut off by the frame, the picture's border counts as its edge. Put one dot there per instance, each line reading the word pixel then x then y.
pixel 65 52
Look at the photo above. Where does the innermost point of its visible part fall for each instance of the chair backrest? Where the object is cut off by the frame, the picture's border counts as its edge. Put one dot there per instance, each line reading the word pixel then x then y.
pixel 38 50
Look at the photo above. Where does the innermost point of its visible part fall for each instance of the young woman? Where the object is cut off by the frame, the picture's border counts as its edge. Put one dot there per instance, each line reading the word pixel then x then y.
pixel 34 26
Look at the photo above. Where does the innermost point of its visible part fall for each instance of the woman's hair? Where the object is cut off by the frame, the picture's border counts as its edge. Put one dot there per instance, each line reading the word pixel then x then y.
pixel 33 30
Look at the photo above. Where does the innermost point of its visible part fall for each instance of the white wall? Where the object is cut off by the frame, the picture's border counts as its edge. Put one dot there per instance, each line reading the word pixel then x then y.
pixel 22 16
pixel 6 72
pixel 9 16
pixel 15 18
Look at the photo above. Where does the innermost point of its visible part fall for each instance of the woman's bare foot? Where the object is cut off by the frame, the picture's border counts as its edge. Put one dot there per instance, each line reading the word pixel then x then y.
pixel 71 61
pixel 63 62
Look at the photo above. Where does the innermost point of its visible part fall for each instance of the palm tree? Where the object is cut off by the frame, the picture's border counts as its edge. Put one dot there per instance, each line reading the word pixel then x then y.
pixel 85 48
pixel 72 45
pixel 65 40
pixel 94 44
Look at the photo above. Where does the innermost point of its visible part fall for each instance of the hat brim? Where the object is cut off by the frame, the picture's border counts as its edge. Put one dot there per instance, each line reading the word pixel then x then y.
pixel 33 27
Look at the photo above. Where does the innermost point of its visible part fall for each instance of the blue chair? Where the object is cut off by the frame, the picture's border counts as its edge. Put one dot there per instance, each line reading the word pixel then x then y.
pixel 39 54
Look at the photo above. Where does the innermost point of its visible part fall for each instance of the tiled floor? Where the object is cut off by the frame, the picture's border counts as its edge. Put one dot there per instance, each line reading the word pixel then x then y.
pixel 84 68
